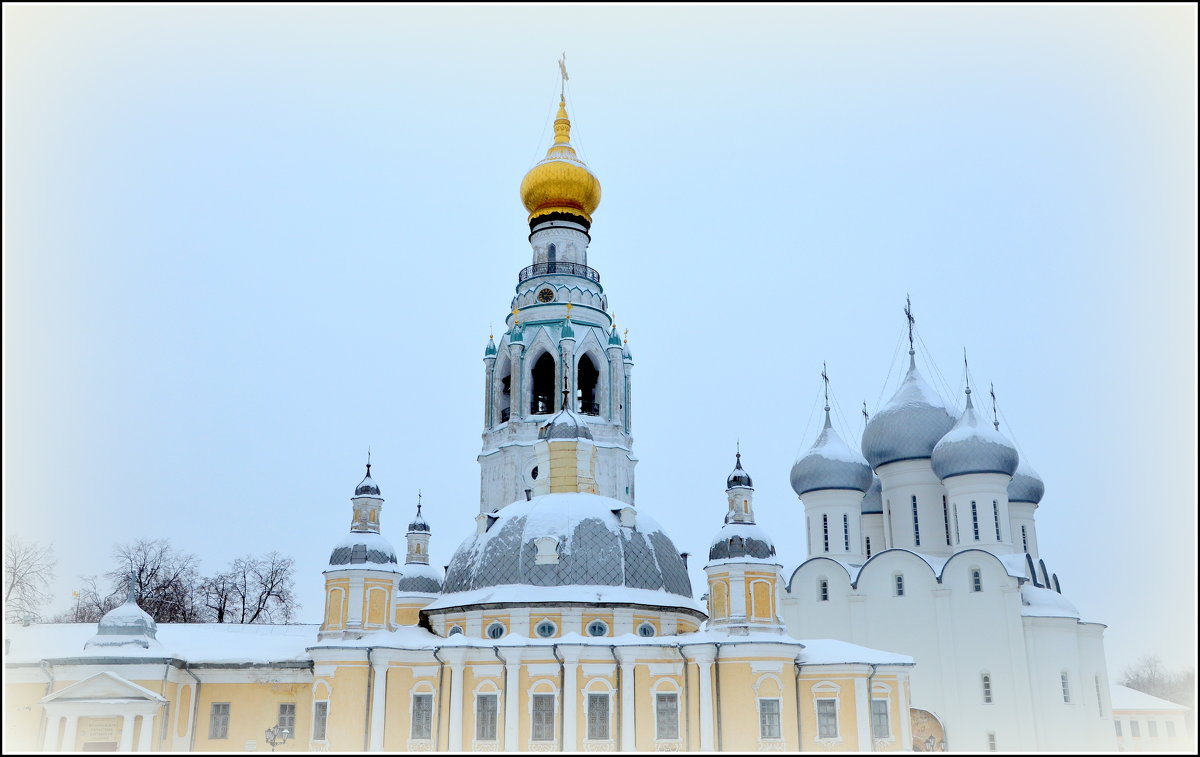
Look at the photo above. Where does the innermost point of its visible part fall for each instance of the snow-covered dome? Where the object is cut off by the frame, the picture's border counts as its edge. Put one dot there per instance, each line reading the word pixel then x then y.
pixel 739 541
pixel 365 550
pixel 909 425
pixel 565 425
pixel 739 477
pixel 419 578
pixel 367 487
pixel 124 625
pixel 830 464
pixel 418 524
pixel 872 501
pixel 568 539
pixel 1026 485
pixel 973 446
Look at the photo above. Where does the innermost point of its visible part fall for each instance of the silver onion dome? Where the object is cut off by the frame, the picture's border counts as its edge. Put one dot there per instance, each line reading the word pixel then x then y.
pixel 419 578
pixel 909 425
pixel 872 502
pixel 367 487
pixel 741 540
pixel 364 550
pixel 1026 485
pixel 830 464
pixel 565 425
pixel 739 477
pixel 973 446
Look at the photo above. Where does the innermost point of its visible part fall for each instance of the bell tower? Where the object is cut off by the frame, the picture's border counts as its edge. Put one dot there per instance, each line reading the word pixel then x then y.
pixel 558 333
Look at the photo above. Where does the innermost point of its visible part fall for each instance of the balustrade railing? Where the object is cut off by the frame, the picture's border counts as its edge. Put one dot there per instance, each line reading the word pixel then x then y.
pixel 563 269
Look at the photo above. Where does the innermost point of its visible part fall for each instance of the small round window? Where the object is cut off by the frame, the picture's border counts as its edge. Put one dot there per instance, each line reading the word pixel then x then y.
pixel 546 629
pixel 454 630
pixel 495 631
pixel 534 473
pixel 597 628
pixel 646 629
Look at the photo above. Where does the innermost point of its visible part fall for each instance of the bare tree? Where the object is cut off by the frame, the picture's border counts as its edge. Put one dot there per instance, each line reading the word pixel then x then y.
pixel 90 603
pixel 253 590
pixel 167 581
pixel 1148 675
pixel 28 571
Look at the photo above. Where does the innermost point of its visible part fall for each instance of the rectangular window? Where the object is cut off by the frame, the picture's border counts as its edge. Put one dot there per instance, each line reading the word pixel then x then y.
pixel 218 721
pixel 1024 540
pixel 1066 688
pixel 825 527
pixel 1134 729
pixel 485 717
pixel 975 519
pixel 287 717
pixel 991 742
pixel 666 716
pixel 996 515
pixel 543 717
pixel 976 581
pixel 868 546
pixel 946 518
pixel 827 719
pixel 916 525
pixel 320 718
pixel 597 716
pixel 899 586
pixel 1152 728
pixel 768 719
pixel 879 719
pixel 1117 725
pixel 824 592
pixel 987 689
pixel 957 536
pixel 846 530
pixel 422 717
pixel 1170 729
pixel 1099 698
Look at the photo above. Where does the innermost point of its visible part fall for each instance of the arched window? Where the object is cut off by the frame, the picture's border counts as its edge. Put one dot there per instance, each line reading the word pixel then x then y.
pixel 975 519
pixel 542 395
pixel 551 255
pixel 504 396
pixel 1066 687
pixel 589 379
pixel 946 518
pixel 916 524
pixel 976 580
pixel 546 629
pixel 495 630
pixel 846 531
pixel 868 546
pixel 996 515
pixel 646 630
pixel 825 529
pixel 899 584
pixel 454 630
pixel 1024 540
pixel 823 590
pixel 987 688
pixel 597 628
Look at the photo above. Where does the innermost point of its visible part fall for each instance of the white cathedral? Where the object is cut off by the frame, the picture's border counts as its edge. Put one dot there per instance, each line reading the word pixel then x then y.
pixel 924 618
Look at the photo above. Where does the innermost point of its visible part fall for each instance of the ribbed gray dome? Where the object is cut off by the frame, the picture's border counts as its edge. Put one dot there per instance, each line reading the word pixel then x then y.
pixel 739 477
pixel 873 500
pixel 367 487
pixel 419 578
pixel 830 464
pixel 909 425
pixel 1026 485
pixel 363 549
pixel 588 546
pixel 973 446
pixel 741 540
pixel 418 524
pixel 565 425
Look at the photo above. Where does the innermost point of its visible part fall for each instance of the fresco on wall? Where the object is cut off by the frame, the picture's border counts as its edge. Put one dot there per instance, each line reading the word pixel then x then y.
pixel 927 732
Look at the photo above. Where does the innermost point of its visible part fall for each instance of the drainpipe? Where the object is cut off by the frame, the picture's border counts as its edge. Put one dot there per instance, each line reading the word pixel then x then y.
pixel 687 710
pixel 562 681
pixel 187 668
pixel 617 697
pixel 870 706
pixel 437 734
pixel 799 739
pixel 717 694
pixel 367 713
pixel 162 692
pixel 504 689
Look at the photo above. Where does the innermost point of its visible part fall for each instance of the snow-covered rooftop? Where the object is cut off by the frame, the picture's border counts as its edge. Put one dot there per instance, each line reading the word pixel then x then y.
pixel 194 642
pixel 1125 698
pixel 1045 603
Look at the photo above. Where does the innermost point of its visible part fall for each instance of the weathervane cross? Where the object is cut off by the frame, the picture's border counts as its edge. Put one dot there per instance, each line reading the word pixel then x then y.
pixel 995 417
pixel 825 378
pixel 908 314
pixel 562 67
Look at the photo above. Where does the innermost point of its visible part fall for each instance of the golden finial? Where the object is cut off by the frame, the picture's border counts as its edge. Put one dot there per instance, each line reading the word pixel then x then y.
pixel 569 306
pixel 516 312
pixel 626 336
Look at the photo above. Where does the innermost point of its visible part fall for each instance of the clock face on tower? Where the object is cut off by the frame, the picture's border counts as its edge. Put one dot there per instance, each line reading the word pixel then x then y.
pixel 546 295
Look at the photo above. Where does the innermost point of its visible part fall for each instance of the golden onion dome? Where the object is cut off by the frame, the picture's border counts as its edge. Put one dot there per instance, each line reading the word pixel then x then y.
pixel 560 182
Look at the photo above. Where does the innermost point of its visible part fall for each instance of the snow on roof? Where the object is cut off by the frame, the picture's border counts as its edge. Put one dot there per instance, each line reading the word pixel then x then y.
pixel 194 642
pixel 589 593
pixel 832 651
pixel 1014 564
pixel 1045 603
pixel 1125 698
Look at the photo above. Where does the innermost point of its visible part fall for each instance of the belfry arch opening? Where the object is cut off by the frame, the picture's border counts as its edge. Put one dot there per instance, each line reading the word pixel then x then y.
pixel 542 386
pixel 589 380
pixel 504 390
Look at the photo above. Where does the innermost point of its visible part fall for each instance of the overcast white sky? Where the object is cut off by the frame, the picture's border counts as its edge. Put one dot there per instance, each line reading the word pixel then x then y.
pixel 243 244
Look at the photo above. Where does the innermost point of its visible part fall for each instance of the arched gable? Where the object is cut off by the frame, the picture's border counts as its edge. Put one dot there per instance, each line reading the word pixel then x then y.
pixel 828 567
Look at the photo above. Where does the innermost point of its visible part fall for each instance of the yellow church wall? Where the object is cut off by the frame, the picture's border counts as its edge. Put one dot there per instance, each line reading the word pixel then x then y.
pixel 403 681
pixel 743 681
pixel 718 603
pixel 346 725
pixel 553 617
pixel 183 712
pixel 564 473
pixel 839 687
pixel 22 715
pixel 253 708
pixel 408 613
pixel 337 591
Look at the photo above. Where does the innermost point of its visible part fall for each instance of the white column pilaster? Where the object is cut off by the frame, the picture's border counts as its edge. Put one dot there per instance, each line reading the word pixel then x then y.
pixel 68 742
pixel 862 704
pixel 146 733
pixel 628 715
pixel 512 699
pixel 378 704
pixel 570 696
pixel 126 743
pixel 50 742
pixel 704 658
pixel 905 718
pixel 456 658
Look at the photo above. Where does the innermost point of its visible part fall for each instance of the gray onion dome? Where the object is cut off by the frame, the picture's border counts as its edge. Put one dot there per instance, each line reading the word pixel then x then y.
pixel 973 446
pixel 418 524
pixel 565 425
pixel 909 425
pixel 367 487
pixel 364 550
pixel 830 464
pixel 741 540
pixel 126 624
pixel 419 578
pixel 1026 485
pixel 739 477
pixel 872 502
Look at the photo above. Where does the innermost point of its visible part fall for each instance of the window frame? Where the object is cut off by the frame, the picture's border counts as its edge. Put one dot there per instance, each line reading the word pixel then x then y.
pixel 822 589
pixel 494 625
pixel 898 584
pixel 591 698
pixel 666 703
pixel 916 523
pixel 481 704
pixel 321 717
pixel 1065 680
pixel 292 726
pixel 1152 729
pixel 830 704
pixel 946 518
pixel 545 622
pixel 765 724
pixel 985 680
pixel 596 622
pixel 534 725
pixel 976 580
pixel 427 713
pixel 219 718
pixel 875 718
pixel 1135 731
pixel 975 519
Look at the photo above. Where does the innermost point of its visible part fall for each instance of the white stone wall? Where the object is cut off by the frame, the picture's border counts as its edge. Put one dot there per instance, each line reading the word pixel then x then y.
pixel 836 504
pixel 1022 514
pixel 902 480
pixel 989 492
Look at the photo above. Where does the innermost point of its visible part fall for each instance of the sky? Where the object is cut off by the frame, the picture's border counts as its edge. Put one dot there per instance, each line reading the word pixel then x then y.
pixel 242 244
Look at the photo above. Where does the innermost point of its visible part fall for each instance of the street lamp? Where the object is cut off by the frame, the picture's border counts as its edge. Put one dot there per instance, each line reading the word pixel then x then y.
pixel 277 734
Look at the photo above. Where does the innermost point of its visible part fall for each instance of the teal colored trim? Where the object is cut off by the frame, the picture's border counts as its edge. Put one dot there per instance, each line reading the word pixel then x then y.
pixel 542 276
pixel 560 320
pixel 574 305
